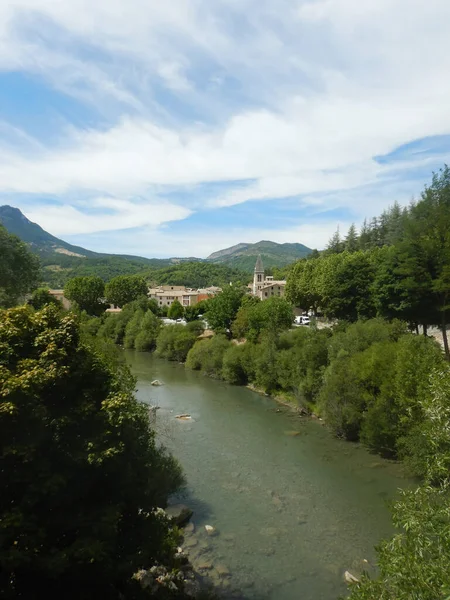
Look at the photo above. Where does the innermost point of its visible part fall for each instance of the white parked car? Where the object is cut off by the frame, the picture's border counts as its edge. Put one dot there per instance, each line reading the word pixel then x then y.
pixel 302 320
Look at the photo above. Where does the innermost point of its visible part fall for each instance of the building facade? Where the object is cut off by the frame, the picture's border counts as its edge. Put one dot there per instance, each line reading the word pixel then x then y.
pixel 165 295
pixel 266 287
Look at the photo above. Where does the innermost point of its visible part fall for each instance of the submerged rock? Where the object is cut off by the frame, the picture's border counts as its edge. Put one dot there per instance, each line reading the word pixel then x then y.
pixel 183 417
pixel 156 382
pixel 179 513
pixel 210 530
pixel 349 578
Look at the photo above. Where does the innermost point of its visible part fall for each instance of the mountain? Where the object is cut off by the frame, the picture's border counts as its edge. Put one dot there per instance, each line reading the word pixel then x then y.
pixel 243 256
pixel 60 261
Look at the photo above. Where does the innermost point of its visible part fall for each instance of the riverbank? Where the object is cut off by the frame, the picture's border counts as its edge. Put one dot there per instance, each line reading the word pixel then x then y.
pixel 292 513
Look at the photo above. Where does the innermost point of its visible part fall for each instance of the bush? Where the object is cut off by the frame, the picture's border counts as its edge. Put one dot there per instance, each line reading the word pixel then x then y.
pixel 81 472
pixel 174 342
pixel 234 365
pixel 149 328
pixel 133 328
pixel 207 355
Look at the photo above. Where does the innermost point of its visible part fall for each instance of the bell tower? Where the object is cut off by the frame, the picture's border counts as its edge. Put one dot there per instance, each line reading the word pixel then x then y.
pixel 258 276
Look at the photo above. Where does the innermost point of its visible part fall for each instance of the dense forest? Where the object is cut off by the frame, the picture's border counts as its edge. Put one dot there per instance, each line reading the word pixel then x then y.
pixel 398 266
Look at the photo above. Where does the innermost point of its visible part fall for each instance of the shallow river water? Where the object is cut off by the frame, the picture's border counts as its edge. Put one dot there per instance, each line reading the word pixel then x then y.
pixel 293 507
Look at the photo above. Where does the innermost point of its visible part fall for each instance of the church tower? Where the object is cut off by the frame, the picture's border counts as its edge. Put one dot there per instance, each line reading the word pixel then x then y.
pixel 258 276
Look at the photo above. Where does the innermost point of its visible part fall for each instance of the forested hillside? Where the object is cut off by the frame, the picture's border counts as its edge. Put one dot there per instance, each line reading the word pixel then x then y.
pixel 243 256
pixel 398 266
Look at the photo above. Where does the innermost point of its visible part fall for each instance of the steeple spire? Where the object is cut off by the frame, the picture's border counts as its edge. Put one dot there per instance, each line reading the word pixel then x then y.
pixel 259 268
pixel 258 277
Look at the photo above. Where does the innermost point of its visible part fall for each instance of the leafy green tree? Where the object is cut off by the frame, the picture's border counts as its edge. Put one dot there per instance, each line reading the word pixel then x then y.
pixel 415 563
pixel 145 340
pixel 41 297
pixel 240 325
pixel 81 473
pixel 272 316
pixel 207 355
pixel 88 293
pixel 124 289
pixel 303 287
pixel 223 308
pixel 174 342
pixel 176 311
pixel 346 283
pixel 19 268
pixel 133 328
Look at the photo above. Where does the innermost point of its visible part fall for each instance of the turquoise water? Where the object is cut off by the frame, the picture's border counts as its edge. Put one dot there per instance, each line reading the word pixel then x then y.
pixel 294 508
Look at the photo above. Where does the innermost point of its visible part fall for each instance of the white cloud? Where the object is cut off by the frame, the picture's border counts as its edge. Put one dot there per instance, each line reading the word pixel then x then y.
pixel 310 92
pixel 68 220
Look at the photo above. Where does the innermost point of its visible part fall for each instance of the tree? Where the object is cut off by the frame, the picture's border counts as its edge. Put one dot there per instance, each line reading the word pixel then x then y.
pixel 351 240
pixel 41 297
pixel 415 563
pixel 124 289
pixel 222 309
pixel 335 244
pixel 82 475
pixel 346 284
pixel 88 293
pixel 19 268
pixel 427 249
pixel 176 310
pixel 272 316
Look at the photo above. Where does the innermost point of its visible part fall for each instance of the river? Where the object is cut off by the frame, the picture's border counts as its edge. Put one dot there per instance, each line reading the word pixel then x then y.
pixel 293 507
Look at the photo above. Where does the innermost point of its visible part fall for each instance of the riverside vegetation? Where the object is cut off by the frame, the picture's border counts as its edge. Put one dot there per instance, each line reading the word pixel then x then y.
pixel 368 376
pixel 82 476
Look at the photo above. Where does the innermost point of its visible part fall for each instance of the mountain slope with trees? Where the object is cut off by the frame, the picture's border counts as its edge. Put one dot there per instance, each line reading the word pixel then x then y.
pixel 243 256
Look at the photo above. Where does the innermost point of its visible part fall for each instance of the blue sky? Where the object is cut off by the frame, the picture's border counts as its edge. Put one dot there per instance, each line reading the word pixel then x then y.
pixel 179 128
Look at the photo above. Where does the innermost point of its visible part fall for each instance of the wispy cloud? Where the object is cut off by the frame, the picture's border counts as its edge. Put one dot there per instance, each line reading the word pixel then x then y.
pixel 272 99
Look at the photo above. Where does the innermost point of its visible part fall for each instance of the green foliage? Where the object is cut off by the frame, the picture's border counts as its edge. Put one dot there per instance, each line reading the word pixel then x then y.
pixel 197 274
pixel 145 340
pixel 243 256
pixel 234 364
pixel 207 355
pixel 124 289
pixel 19 269
pixel 176 310
pixel 41 297
pixel 415 563
pixel 191 313
pixel 222 309
pixel 272 316
pixel 174 342
pixel 374 386
pixel 88 294
pixel 81 472
pixel 196 327
pixel 133 328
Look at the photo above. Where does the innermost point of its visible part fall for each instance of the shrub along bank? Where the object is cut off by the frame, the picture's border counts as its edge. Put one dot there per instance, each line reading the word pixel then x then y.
pixel 369 380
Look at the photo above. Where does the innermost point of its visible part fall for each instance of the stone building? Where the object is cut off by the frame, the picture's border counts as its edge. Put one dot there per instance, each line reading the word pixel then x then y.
pixel 265 287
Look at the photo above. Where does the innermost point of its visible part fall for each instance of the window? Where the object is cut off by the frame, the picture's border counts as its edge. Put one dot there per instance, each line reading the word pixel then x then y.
pixel 279 288
pixel 259 277
pixel 265 294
